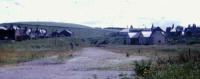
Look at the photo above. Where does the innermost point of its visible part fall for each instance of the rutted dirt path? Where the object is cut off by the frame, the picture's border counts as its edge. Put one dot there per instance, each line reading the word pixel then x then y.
pixel 88 63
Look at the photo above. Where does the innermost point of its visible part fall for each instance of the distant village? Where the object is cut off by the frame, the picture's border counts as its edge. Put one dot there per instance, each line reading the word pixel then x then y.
pixel 19 32
pixel 156 35
pixel 131 36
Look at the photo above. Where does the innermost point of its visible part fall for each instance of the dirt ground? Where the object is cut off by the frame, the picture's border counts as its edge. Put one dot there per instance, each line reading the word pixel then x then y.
pixel 88 63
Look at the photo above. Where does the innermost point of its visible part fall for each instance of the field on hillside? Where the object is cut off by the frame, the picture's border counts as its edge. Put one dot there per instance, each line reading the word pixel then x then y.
pixel 167 61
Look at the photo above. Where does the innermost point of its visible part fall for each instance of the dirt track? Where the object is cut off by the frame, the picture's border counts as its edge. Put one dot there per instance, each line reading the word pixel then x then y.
pixel 88 63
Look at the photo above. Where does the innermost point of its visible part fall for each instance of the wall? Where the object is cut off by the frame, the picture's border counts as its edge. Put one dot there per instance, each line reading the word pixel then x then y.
pixel 158 38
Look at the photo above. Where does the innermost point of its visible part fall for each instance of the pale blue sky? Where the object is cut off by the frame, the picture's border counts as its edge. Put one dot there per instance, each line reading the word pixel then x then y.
pixel 103 13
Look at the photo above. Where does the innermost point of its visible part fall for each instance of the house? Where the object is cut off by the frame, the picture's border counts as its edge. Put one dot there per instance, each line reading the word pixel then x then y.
pixel 130 37
pixel 145 40
pixel 144 37
pixel 63 33
pixel 55 34
pixel 3 33
pixel 192 31
pixel 172 32
pixel 66 33
pixel 157 36
pixel 134 38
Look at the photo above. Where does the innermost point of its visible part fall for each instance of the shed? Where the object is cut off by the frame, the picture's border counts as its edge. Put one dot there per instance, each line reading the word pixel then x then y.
pixel 66 33
pixel 63 33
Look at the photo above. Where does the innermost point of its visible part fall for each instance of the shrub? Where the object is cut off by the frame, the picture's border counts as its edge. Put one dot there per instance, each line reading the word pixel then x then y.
pixel 142 67
pixel 185 65
pixel 175 71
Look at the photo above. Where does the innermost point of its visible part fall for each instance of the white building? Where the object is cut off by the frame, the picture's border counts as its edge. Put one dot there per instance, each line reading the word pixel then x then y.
pixel 155 36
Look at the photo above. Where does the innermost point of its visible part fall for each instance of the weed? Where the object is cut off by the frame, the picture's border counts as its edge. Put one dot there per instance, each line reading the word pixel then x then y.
pixel 175 71
pixel 142 67
pixel 185 65
pixel 124 76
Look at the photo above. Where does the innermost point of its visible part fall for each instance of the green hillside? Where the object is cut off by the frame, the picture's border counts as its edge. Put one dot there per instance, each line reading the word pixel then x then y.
pixel 54 24
pixel 80 31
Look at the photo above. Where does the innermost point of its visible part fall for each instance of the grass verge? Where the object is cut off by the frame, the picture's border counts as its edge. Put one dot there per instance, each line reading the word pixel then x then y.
pixel 17 52
pixel 168 61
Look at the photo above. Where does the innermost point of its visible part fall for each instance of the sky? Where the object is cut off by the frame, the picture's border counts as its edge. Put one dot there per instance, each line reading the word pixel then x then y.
pixel 103 13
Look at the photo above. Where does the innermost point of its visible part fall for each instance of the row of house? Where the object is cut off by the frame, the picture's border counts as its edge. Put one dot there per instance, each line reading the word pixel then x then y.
pixel 181 34
pixel 23 32
pixel 143 37
pixel 180 31
pixel 155 35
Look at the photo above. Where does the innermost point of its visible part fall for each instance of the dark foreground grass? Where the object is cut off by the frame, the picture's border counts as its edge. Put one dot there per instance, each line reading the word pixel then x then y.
pixel 168 62
pixel 185 65
pixel 189 70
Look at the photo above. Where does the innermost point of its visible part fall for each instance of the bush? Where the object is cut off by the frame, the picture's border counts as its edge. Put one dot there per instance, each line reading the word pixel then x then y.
pixel 185 65
pixel 175 71
pixel 142 67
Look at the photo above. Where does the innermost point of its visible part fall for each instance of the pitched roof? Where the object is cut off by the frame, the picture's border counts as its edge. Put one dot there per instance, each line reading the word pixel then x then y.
pixel 146 33
pixel 133 34
pixel 15 27
pixel 157 29
pixel 125 30
pixel 3 28
pixel 173 30
pixel 68 31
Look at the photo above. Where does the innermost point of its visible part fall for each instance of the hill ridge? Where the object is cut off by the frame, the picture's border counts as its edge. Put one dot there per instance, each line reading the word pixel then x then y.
pixel 46 23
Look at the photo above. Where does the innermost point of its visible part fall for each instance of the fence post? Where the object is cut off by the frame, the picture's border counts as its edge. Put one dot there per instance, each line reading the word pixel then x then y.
pixel 71 46
pixel 139 51
pixel 189 52
pixel 127 54
pixel 55 40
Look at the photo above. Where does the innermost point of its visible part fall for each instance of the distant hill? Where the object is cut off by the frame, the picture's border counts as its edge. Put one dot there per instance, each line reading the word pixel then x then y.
pixel 54 24
pixel 114 29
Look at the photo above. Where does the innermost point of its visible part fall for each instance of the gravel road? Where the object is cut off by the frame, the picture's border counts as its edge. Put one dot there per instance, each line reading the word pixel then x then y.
pixel 88 63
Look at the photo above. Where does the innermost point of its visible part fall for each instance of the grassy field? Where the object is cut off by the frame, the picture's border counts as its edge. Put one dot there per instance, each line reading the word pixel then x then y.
pixel 16 52
pixel 167 61
pixel 153 50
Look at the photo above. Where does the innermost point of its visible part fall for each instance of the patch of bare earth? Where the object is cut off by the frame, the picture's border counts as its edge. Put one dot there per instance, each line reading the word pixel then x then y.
pixel 88 63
